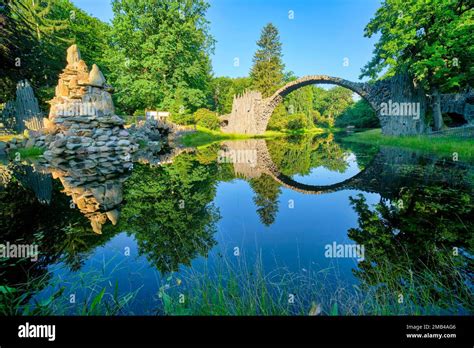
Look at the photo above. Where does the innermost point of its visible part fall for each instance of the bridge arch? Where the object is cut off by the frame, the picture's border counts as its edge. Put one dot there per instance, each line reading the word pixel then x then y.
pixel 269 104
pixel 262 163
pixel 250 113
pixel 269 167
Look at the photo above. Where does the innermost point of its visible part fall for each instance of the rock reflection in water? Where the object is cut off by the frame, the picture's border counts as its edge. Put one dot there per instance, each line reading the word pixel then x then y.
pixel 98 196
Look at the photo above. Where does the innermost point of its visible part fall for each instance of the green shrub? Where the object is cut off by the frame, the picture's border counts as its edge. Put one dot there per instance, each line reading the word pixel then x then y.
pixel 278 121
pixel 297 121
pixel 182 118
pixel 323 121
pixel 206 118
pixel 359 115
pixel 27 152
pixel 281 120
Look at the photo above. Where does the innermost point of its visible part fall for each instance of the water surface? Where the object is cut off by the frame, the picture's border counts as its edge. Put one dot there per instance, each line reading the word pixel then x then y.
pixel 272 206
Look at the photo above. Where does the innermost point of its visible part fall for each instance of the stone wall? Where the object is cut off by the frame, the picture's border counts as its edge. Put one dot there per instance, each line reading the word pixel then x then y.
pixel 462 104
pixel 401 90
pixel 244 116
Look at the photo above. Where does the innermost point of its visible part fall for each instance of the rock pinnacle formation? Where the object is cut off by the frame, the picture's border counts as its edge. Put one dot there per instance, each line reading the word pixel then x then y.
pixel 88 149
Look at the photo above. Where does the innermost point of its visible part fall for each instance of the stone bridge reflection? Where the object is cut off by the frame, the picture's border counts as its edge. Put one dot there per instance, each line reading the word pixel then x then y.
pixel 388 171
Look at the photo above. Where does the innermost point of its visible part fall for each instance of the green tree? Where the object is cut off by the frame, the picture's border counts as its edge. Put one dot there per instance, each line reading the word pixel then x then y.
pixel 301 101
pixel 279 119
pixel 330 104
pixel 359 115
pixel 297 122
pixel 221 94
pixel 267 192
pixel 29 48
pixel 431 39
pixel 206 118
pixel 267 71
pixel 89 33
pixel 34 40
pixel 320 99
pixel 160 54
pixel 223 91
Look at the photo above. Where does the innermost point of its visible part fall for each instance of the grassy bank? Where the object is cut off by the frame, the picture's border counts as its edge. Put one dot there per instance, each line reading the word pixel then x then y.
pixel 441 145
pixel 203 136
pixel 242 289
pixel 237 288
pixel 24 153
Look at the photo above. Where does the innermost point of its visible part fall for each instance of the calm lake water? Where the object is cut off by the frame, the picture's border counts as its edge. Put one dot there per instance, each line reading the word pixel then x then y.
pixel 355 228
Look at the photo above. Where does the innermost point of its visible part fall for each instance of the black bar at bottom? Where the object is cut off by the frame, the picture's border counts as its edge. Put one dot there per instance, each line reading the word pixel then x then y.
pixel 454 331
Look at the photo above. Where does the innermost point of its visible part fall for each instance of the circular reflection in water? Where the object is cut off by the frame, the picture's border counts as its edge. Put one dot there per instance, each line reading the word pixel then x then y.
pixel 321 175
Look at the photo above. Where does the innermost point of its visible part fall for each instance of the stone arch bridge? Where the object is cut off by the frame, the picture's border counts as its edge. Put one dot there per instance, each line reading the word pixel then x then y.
pixel 251 113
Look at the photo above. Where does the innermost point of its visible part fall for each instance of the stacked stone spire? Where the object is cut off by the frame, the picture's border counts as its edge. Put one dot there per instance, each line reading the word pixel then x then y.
pixel 83 100
pixel 89 150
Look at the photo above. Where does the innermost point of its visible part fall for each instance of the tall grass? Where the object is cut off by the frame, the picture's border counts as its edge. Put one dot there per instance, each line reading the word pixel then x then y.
pixel 100 300
pixel 236 288
pixel 204 136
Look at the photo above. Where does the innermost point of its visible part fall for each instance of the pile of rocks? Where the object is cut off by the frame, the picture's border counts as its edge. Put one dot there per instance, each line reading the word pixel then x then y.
pixel 152 138
pixel 151 132
pixel 85 131
pixel 87 147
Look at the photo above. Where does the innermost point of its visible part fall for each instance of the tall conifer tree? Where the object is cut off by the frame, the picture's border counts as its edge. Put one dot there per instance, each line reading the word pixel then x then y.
pixel 267 71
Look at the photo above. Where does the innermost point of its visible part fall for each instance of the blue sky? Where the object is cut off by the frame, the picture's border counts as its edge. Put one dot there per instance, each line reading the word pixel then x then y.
pixel 317 40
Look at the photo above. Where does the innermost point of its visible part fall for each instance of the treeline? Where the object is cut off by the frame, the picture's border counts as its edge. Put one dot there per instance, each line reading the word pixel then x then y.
pixel 156 57
pixel 34 36
pixel 313 106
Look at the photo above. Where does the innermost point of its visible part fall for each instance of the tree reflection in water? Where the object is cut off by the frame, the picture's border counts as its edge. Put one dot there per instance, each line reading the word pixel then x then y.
pixel 168 209
pixel 418 238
